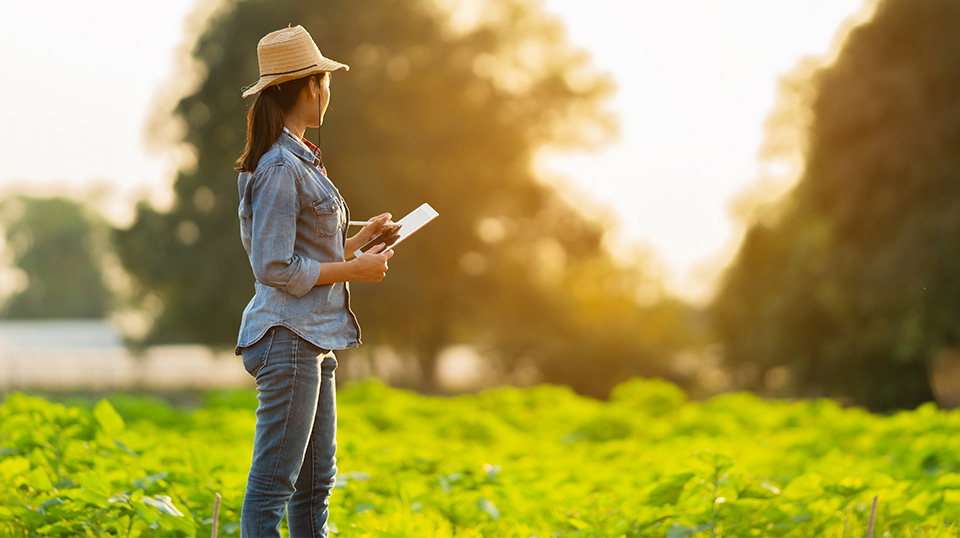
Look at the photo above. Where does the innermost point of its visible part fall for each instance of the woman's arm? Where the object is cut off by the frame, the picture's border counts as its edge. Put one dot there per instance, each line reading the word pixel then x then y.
pixel 273 233
pixel 371 266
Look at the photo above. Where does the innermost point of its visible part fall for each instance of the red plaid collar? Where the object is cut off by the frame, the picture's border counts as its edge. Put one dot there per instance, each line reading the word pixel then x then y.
pixel 310 145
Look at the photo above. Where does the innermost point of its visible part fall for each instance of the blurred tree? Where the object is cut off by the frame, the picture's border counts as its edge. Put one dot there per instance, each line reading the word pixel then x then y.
pixel 442 105
pixel 855 283
pixel 55 242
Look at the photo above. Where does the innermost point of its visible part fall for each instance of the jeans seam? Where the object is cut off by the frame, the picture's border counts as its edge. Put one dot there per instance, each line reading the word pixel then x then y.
pixel 286 422
pixel 313 485
pixel 266 356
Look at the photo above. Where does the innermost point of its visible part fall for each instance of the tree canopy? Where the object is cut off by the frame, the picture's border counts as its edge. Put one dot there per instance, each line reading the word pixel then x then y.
pixel 59 247
pixel 432 110
pixel 855 286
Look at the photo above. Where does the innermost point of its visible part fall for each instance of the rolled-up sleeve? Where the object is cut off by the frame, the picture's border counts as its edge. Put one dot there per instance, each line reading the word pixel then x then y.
pixel 274 232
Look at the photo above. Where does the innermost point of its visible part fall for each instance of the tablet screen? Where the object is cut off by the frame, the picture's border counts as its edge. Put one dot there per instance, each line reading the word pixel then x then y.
pixel 409 224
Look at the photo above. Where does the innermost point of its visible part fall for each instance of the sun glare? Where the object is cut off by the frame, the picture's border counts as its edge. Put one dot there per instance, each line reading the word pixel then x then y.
pixel 696 81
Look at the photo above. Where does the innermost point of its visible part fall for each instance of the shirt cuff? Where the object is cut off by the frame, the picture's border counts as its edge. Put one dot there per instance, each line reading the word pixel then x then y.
pixel 304 278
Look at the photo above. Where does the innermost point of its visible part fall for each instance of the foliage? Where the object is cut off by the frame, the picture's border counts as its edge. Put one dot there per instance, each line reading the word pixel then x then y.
pixel 430 111
pixel 855 285
pixel 508 462
pixel 59 246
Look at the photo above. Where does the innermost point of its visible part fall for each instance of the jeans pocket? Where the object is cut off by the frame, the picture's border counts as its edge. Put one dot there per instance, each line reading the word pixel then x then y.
pixel 255 357
pixel 327 215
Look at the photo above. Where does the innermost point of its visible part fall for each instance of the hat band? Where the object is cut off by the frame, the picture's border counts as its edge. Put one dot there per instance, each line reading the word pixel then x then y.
pixel 288 72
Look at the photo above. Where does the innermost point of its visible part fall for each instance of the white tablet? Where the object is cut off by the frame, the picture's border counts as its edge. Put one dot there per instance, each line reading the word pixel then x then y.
pixel 416 219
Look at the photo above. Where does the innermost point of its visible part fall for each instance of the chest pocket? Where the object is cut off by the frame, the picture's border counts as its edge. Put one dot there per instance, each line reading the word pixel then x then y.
pixel 329 217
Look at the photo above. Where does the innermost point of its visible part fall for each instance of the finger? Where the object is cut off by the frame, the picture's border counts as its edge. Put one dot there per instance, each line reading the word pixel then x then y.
pixel 379 221
pixel 376 249
pixel 388 254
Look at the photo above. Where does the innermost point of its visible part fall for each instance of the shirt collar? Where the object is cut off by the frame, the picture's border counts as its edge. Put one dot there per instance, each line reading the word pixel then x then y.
pixel 309 152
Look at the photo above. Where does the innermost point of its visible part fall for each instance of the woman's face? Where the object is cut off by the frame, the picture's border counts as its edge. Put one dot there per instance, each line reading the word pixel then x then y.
pixel 323 95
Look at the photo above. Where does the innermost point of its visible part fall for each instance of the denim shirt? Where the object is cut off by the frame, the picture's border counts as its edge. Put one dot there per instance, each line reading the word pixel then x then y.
pixel 292 218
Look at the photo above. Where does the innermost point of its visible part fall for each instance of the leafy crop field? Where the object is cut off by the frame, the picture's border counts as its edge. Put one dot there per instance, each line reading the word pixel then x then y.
pixel 507 462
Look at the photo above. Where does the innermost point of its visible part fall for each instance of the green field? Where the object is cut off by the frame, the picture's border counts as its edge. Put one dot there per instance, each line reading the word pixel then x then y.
pixel 507 462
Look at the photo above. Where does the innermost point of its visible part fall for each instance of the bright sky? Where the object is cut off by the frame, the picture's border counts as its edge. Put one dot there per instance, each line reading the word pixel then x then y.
pixel 696 81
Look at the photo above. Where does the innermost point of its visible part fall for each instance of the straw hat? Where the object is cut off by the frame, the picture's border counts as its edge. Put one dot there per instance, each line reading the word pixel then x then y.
pixel 289 54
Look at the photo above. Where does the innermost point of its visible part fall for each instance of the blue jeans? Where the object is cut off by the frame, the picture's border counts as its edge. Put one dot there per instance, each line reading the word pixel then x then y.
pixel 294 465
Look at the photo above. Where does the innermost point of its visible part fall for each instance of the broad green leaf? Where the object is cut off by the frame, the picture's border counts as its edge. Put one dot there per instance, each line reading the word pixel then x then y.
pixel 124 448
pixel 13 466
pixel 92 497
pixel 110 421
pixel 754 489
pixel 487 506
pixel 668 490
pixel 638 527
pixel 804 487
pixel 121 498
pixel 847 486
pixel 147 481
pixel 949 481
pixel 175 522
pixel 56 501
pixel 95 488
pixel 147 514
pixel 38 480
pixel 8 513
pixel 719 463
pixel 60 528
pixel 921 502
pixel 64 483
pixel 783 528
pixel 163 504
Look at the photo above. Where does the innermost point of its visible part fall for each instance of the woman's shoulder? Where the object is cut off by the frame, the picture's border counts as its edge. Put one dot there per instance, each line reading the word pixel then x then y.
pixel 277 159
pixel 276 155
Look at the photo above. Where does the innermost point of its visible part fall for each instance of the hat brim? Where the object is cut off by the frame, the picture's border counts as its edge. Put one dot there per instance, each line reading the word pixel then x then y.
pixel 265 81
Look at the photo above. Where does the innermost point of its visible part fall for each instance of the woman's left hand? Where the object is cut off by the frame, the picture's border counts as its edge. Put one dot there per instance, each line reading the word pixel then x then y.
pixel 369 231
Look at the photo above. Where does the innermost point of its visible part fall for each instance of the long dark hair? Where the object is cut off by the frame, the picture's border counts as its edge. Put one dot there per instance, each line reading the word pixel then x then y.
pixel 265 118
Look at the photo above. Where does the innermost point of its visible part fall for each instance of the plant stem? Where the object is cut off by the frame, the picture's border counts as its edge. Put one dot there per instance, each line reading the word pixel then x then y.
pixel 216 515
pixel 873 515
pixel 713 517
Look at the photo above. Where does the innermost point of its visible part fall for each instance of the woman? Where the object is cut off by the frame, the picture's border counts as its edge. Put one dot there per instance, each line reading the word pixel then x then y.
pixel 293 225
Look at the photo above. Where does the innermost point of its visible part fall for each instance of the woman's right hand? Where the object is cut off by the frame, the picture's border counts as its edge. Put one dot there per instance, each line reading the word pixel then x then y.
pixel 371 266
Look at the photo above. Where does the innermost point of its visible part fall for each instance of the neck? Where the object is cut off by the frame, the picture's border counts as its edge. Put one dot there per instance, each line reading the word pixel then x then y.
pixel 295 127
pixel 295 122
